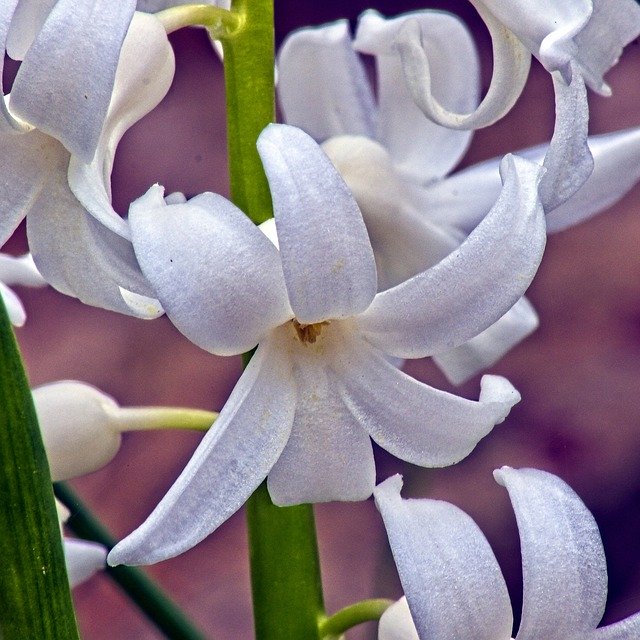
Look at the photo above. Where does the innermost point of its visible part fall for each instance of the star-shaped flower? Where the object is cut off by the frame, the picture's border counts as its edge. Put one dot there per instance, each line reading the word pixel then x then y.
pixel 454 586
pixel 21 271
pixel 319 385
pixel 57 146
pixel 396 161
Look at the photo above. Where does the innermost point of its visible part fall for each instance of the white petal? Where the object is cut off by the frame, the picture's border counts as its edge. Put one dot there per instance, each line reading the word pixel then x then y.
pixel 488 347
pixel 217 276
pixel 616 170
pixel 20 270
pixel 612 26
pixel 450 577
pixel 329 455
pixel 563 564
pixel 13 305
pixel 547 32
pixel 8 123
pixel 627 629
pixel 322 86
pixel 144 75
pixel 78 428
pixel 415 422
pixel 396 623
pixel 326 255
pixel 90 33
pixel 511 67
pixel 142 306
pixel 83 559
pixel 472 287
pixel 404 240
pixel 420 148
pixel 233 458
pixel 26 23
pixel 568 161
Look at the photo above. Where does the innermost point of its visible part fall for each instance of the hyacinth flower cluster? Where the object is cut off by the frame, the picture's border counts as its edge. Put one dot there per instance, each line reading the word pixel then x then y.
pixel 378 251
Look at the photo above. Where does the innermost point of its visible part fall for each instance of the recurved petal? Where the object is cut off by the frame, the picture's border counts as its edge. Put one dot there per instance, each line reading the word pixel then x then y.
pixel 415 422
pixel 322 86
pixel 627 629
pixel 616 170
pixel 89 33
pixel 450 577
pixel 8 123
pixel 563 564
pixel 329 455
pixel 143 77
pixel 396 623
pixel 233 458
pixel 13 305
pixel 26 22
pixel 218 278
pixel 327 258
pixel 511 62
pixel 83 559
pixel 568 161
pixel 20 270
pixel 473 286
pixel 419 147
pixel 488 347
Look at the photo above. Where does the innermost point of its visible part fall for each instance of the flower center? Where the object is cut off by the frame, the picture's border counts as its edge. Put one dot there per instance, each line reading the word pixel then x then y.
pixel 308 333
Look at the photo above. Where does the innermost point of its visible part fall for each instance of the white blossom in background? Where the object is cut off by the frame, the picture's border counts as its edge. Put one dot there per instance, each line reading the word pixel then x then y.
pixel 398 163
pixel 319 385
pixel 20 271
pixel 57 147
pixel 82 426
pixel 453 584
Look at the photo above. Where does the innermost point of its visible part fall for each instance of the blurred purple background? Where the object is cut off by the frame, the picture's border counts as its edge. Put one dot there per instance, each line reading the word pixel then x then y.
pixel 579 374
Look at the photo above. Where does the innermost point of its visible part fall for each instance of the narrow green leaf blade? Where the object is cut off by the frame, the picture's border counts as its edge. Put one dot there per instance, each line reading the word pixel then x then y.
pixel 34 590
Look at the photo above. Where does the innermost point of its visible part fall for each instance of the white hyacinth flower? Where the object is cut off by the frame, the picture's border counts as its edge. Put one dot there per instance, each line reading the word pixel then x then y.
pixel 397 162
pixel 319 386
pixel 57 146
pixel 17 271
pixel 453 584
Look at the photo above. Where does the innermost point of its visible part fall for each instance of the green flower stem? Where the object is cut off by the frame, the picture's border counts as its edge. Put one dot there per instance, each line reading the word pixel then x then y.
pixel 220 22
pixel 145 418
pixel 249 69
pixel 34 590
pixel 352 616
pixel 285 568
pixel 161 611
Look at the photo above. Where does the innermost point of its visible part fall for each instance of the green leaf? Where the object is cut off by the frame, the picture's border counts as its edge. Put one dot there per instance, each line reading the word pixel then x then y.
pixel 34 590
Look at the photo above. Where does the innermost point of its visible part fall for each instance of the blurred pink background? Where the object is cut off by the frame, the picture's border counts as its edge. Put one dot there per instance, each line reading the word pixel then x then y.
pixel 579 374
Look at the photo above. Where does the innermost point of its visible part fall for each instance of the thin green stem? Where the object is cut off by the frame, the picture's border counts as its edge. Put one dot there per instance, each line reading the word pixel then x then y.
pixel 285 568
pixel 158 608
pixel 353 615
pixel 34 590
pixel 220 22
pixel 146 418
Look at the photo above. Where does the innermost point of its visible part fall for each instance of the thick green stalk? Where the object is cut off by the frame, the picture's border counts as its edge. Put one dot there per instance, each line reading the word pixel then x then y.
pixel 161 611
pixel 285 568
pixel 34 590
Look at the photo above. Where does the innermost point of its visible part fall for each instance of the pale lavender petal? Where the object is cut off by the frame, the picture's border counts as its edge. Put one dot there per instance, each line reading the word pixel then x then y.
pixel 612 26
pixel 616 170
pixel 144 75
pixel 217 276
pixel 419 147
pixel 472 287
pixel 233 458
pixel 510 71
pixel 20 270
pixel 322 86
pixel 327 258
pixel 451 579
pixel 26 23
pixel 8 123
pixel 563 563
pixel 627 629
pixel 396 623
pixel 83 559
pixel 329 455
pixel 488 347
pixel 415 422
pixel 568 161
pixel 13 305
pixel 90 33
